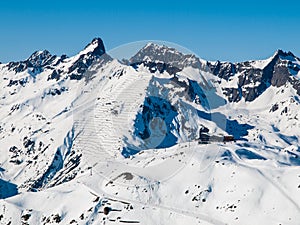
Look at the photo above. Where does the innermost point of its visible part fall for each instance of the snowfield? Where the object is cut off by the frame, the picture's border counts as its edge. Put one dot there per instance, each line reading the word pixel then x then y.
pixel 92 140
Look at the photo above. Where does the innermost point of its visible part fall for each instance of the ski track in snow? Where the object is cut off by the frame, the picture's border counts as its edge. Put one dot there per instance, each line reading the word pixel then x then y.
pixel 160 206
pixel 280 189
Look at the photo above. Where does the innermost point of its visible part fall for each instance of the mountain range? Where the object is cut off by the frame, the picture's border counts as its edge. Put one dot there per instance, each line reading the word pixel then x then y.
pixel 90 139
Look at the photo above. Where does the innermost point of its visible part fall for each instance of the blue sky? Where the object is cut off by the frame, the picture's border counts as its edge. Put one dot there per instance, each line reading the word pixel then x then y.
pixel 225 30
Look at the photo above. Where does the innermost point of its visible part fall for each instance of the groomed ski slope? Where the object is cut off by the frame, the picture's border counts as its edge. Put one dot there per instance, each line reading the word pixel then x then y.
pixel 226 184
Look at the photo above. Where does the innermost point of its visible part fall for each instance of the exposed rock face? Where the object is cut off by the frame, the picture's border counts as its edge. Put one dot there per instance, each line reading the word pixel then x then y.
pixel 42 60
pixel 85 60
pixel 36 62
pixel 163 58
pixel 223 70
pixel 253 81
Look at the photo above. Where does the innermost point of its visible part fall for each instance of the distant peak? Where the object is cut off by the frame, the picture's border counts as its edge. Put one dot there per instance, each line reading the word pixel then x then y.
pixel 282 53
pixel 156 47
pixel 150 44
pixel 279 52
pixel 96 41
pixel 154 52
pixel 39 57
pixel 40 54
pixel 170 56
pixel 96 47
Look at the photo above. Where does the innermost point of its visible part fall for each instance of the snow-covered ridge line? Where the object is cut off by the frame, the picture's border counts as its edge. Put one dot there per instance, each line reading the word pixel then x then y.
pixel 88 139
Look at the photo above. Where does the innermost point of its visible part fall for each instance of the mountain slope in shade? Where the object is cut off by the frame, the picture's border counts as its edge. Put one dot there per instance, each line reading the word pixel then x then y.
pixel 88 134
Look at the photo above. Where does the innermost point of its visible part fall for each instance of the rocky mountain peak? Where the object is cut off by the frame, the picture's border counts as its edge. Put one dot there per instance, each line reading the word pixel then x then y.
pixel 282 53
pixel 153 48
pixel 35 62
pixel 92 52
pixel 164 57
pixel 154 52
pixel 255 77
pixel 38 58
pixel 95 47
pixel 283 57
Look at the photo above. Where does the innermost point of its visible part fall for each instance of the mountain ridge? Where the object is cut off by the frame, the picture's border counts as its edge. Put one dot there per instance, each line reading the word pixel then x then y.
pixel 89 134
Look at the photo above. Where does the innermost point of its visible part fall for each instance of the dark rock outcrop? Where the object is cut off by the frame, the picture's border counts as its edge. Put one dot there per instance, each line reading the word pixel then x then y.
pixel 35 63
pixel 84 61
pixel 163 58
pixel 252 81
pixel 39 61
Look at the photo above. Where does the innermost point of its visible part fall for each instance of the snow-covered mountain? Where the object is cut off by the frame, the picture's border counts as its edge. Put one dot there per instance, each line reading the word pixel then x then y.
pixel 88 139
pixel 250 79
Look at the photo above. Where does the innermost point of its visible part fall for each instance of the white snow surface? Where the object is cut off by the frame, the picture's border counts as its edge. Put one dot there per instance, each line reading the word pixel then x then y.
pixel 255 180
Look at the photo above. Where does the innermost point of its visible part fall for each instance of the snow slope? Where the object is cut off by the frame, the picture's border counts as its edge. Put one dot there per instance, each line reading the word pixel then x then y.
pixel 86 134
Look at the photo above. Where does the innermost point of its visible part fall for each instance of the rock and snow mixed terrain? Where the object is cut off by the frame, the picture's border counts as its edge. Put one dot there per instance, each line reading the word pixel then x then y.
pixel 89 139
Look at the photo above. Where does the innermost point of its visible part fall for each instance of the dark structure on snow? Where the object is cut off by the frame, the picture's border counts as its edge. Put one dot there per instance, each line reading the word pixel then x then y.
pixel 205 138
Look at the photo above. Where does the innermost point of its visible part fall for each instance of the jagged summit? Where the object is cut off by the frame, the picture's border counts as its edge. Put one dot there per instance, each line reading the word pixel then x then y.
pixel 92 52
pixel 39 54
pixel 250 79
pixel 95 47
pixel 282 53
pixel 154 53
pixel 39 58
pixel 286 57
pixel 73 67
pixel 36 62
pixel 156 48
